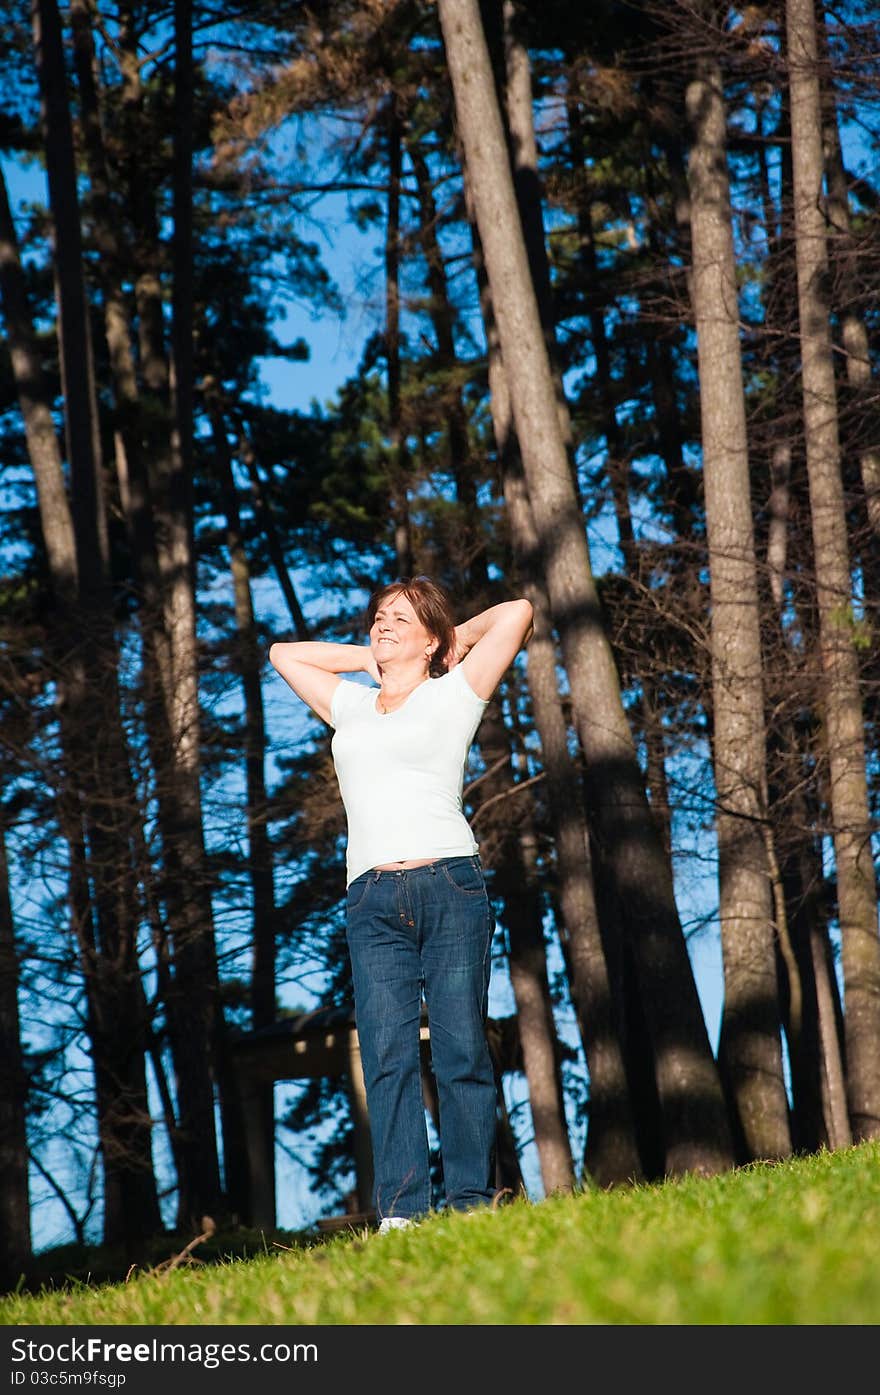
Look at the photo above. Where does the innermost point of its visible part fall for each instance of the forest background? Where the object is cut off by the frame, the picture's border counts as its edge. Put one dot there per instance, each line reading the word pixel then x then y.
pixel 609 276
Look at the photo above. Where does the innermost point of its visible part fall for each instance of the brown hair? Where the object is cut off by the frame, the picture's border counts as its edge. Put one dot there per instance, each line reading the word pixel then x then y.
pixel 432 605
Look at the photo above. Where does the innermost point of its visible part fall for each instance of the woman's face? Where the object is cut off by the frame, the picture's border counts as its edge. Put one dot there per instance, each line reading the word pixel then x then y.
pixel 397 635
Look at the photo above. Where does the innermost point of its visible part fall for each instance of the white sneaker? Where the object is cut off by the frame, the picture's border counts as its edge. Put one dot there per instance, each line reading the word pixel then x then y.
pixel 394 1223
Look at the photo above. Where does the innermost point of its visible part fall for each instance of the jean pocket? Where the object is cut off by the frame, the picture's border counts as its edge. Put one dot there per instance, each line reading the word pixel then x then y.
pixel 465 876
pixel 356 892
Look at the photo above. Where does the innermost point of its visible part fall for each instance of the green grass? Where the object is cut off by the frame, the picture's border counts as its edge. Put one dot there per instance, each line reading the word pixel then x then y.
pixel 793 1243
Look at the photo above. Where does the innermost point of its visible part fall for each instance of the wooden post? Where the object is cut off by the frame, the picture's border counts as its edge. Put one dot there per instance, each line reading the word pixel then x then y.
pixel 363 1143
pixel 260 1155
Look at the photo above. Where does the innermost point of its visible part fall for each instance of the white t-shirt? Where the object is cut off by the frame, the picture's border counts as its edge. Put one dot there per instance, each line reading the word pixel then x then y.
pixel 401 773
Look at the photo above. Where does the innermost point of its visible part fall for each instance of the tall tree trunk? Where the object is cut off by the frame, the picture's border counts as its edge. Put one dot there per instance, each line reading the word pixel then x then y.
pixel 842 711
pixel 182 299
pixel 819 1116
pixel 15 1218
pixel 403 543
pixel 859 392
pixel 527 960
pixel 133 430
pixel 91 726
pixel 681 493
pixel 193 1008
pixel 249 662
pixel 611 1153
pixel 681 478
pixel 697 1131
pixel 517 110
pixel 133 481
pixel 750 1052
pixel 133 484
pixel 516 886
pixel 76 363
pixel 853 330
pixel 36 410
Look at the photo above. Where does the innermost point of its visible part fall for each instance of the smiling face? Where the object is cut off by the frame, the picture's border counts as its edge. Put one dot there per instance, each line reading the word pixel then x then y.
pixel 397 635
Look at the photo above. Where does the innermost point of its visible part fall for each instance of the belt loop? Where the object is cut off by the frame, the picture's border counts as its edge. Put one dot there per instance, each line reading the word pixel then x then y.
pixel 433 869
pixel 377 876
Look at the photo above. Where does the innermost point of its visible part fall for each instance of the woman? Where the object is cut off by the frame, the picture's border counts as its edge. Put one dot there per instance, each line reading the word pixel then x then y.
pixel 418 918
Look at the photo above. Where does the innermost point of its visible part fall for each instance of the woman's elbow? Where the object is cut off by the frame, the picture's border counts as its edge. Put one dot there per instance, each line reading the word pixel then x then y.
pixel 527 620
pixel 278 651
pixel 527 613
pixel 517 619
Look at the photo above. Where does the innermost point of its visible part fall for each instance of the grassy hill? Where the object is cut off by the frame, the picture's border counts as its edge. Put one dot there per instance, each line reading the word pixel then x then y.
pixel 792 1243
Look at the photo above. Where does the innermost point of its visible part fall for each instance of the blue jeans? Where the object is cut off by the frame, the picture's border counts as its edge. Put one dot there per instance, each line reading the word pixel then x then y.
pixel 425 930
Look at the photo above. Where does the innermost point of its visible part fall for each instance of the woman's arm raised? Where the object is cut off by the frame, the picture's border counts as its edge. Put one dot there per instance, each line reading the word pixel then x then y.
pixel 486 645
pixel 312 668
